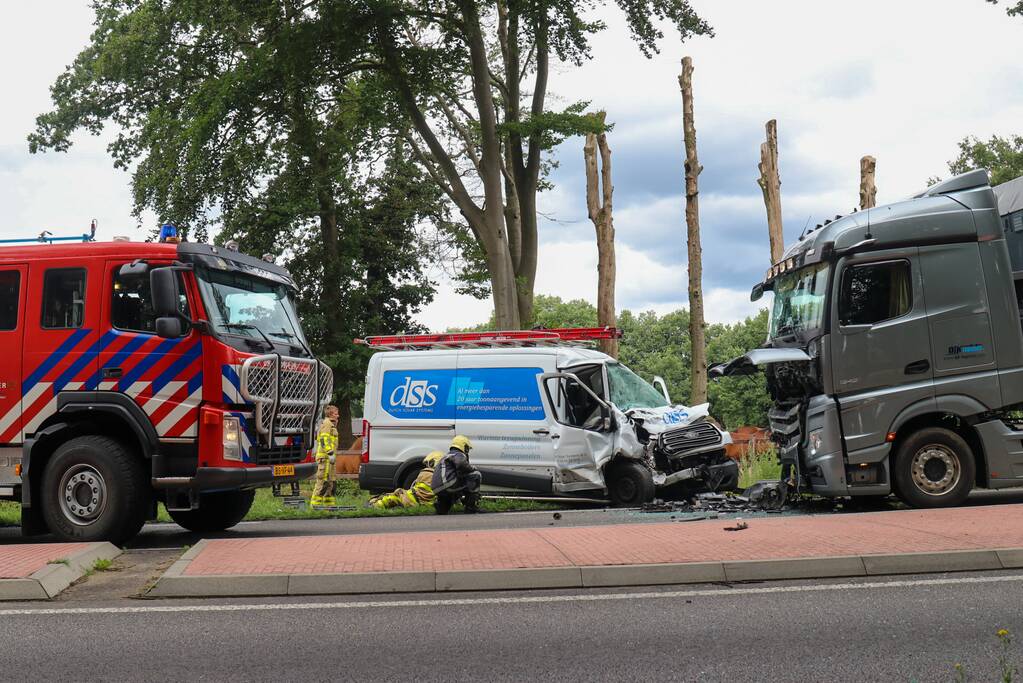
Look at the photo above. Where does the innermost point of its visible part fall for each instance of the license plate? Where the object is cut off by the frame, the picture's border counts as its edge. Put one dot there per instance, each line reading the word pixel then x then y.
pixel 284 470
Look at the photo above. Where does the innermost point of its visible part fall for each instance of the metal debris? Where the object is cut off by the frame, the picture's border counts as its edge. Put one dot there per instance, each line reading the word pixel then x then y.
pixel 739 526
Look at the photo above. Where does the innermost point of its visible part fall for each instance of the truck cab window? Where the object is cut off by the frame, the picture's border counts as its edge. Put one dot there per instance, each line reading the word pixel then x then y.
pixel 63 299
pixel 131 307
pixel 10 289
pixel 875 292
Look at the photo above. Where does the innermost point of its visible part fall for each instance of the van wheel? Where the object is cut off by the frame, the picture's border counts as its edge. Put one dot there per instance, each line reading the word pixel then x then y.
pixel 94 490
pixel 217 511
pixel 630 484
pixel 934 468
pixel 409 477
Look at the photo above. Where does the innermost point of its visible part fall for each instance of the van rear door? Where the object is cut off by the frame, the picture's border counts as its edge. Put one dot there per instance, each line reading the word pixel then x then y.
pixel 499 407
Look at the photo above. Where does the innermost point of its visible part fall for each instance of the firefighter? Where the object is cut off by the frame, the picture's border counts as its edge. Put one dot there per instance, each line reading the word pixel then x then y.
pixel 420 493
pixel 455 478
pixel 326 444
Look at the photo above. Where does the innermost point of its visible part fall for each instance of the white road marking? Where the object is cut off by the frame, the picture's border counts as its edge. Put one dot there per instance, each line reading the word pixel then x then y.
pixel 511 600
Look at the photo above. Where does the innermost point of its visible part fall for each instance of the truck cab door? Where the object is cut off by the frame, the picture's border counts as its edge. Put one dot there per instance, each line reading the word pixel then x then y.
pixel 880 346
pixel 12 329
pixel 582 431
pixel 163 376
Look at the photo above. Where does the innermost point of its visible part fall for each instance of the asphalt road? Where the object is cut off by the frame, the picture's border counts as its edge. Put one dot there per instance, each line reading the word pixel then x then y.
pixel 912 628
pixel 173 536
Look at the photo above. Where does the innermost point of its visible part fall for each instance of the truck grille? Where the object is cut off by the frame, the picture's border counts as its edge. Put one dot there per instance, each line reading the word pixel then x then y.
pixel 786 430
pixel 691 438
pixel 278 455
pixel 287 393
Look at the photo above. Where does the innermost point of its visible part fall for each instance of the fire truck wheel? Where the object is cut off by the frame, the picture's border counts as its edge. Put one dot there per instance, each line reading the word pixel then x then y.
pixel 629 484
pixel 934 468
pixel 217 511
pixel 93 489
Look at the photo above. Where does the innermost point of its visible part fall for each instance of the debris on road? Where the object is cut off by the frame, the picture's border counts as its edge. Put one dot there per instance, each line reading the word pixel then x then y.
pixel 739 526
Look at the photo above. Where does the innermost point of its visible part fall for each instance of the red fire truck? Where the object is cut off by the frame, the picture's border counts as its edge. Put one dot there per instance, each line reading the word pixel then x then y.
pixel 138 373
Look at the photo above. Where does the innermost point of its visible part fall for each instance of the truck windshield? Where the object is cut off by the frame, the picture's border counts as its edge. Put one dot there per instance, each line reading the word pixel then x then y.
pixel 629 390
pixel 799 301
pixel 244 305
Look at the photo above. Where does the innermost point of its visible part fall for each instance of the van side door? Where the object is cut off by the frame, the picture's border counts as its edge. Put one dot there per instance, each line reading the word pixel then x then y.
pixel 499 407
pixel 880 346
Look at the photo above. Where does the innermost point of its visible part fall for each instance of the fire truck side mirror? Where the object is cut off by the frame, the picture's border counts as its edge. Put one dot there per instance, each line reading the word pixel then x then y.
pixel 168 327
pixel 163 283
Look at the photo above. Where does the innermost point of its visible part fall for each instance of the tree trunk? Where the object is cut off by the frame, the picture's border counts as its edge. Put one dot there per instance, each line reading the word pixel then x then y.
pixel 599 191
pixel 868 191
pixel 693 169
pixel 344 424
pixel 770 185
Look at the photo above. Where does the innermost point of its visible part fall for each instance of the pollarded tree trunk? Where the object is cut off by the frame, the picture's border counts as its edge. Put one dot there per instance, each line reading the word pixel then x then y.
pixel 599 191
pixel 770 185
pixel 693 169
pixel 868 191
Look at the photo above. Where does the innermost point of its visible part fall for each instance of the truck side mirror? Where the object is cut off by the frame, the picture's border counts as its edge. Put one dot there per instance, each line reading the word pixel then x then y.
pixel 757 293
pixel 163 284
pixel 135 269
pixel 168 327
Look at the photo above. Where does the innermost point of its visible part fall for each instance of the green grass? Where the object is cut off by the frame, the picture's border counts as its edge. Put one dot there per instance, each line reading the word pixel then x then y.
pixel 102 565
pixel 10 514
pixel 754 467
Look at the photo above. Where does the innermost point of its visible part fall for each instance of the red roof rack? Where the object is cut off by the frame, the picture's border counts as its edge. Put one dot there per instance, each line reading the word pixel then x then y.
pixel 565 336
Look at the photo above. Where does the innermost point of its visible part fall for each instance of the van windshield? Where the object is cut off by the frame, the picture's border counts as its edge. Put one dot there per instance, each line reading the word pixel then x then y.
pixel 629 390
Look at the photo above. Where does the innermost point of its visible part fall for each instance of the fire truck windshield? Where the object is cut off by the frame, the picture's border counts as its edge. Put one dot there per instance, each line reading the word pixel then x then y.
pixel 247 306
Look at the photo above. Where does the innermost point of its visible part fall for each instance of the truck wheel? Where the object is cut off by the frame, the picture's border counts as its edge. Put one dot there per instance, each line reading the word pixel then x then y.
pixel 217 511
pixel 934 468
pixel 630 484
pixel 94 490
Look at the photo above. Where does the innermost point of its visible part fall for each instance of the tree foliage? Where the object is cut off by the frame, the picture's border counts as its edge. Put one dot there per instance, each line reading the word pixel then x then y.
pixel 1014 9
pixel 1003 157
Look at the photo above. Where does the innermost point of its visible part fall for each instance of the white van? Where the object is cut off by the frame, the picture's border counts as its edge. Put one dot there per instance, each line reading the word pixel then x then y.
pixel 547 419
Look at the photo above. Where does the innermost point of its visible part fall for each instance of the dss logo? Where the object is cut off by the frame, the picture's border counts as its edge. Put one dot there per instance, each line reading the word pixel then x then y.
pixel 414 394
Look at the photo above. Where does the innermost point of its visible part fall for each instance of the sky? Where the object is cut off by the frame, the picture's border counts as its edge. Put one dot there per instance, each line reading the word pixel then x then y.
pixel 901 80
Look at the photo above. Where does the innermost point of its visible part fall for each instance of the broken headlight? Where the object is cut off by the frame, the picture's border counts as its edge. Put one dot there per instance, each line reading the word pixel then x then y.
pixel 815 441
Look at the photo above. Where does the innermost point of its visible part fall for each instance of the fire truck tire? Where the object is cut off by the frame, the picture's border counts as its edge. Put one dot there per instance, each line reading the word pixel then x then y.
pixel 94 489
pixel 217 511
pixel 630 484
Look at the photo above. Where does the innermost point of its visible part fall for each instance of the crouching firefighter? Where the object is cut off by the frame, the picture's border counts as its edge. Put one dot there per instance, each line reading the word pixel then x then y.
pixel 455 478
pixel 326 445
pixel 420 493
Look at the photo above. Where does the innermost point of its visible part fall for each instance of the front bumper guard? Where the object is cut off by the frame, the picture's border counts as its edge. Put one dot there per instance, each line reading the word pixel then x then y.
pixel 208 479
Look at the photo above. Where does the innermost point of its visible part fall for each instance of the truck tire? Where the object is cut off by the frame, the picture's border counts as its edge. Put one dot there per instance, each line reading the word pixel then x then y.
pixel 629 484
pixel 93 489
pixel 934 467
pixel 217 511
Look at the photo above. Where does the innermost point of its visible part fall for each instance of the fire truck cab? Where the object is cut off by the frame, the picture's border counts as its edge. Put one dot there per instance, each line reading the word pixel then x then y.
pixel 138 373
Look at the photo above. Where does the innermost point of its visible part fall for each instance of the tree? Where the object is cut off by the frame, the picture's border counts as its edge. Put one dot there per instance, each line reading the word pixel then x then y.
pixel 1002 156
pixel 770 185
pixel 868 190
pixel 738 401
pixel 260 119
pixel 473 78
pixel 1013 10
pixel 692 173
pixel 599 192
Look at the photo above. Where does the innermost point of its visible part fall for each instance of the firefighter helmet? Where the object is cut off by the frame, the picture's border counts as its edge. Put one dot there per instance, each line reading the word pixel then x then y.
pixel 462 443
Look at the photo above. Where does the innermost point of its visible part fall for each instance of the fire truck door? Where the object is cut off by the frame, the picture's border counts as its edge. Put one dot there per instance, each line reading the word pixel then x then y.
pixel 12 329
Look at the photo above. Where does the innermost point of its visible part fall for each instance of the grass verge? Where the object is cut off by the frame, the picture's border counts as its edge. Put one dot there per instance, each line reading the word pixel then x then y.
pixel 754 467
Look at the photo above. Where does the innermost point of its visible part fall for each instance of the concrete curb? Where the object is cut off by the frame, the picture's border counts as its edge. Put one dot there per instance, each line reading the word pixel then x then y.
pixel 174 583
pixel 53 578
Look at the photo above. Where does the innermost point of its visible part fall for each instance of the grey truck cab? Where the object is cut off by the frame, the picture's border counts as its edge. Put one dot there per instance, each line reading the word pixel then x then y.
pixel 895 354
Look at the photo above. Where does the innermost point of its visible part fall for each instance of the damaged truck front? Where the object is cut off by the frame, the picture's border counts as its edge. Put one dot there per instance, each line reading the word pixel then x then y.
pixel 546 417
pixel 894 355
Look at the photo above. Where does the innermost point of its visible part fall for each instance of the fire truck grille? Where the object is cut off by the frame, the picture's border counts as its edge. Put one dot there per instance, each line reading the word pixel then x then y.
pixel 294 409
pixel 279 455
pixel 691 438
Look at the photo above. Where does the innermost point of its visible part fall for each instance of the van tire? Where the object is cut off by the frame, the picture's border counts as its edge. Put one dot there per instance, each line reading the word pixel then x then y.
pixel 93 489
pixel 934 467
pixel 409 477
pixel 216 512
pixel 629 484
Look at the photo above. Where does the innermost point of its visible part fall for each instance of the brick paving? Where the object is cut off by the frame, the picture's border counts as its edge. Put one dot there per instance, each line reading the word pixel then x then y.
pixel 904 531
pixel 21 561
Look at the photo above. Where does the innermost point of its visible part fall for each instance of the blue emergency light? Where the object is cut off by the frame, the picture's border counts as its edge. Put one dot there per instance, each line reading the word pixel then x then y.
pixel 169 233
